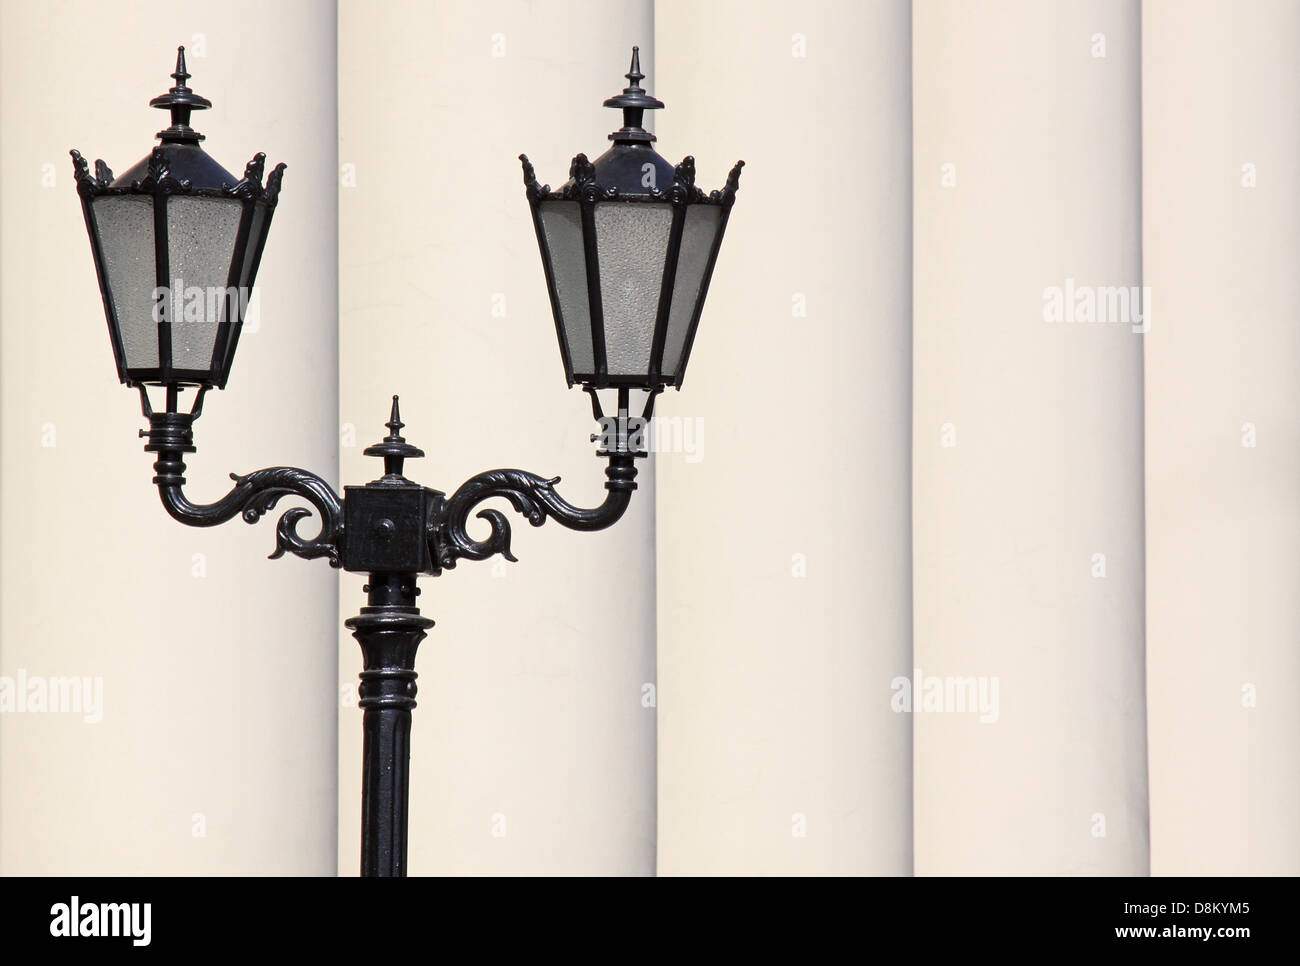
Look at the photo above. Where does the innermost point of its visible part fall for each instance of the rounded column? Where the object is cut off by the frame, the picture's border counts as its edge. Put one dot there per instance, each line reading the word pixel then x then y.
pixel 1027 689
pixel 532 751
pixel 784 462
pixel 1221 220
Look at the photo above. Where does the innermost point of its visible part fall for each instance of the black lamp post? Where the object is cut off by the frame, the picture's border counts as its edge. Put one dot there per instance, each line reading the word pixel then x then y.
pixel 628 245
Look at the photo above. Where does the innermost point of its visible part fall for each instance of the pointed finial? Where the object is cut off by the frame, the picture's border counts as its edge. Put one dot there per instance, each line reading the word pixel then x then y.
pixel 395 424
pixel 633 75
pixel 394 448
pixel 180 100
pixel 634 102
pixel 181 75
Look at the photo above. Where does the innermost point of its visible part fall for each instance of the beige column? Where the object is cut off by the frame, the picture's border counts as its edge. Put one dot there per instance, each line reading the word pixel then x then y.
pixel 1221 227
pixel 532 751
pixel 1028 439
pixel 784 533
pixel 208 743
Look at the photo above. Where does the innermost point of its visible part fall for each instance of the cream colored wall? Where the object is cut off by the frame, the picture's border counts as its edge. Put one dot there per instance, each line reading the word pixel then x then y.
pixel 217 665
pixel 531 749
pixel 1221 241
pixel 1028 438
pixel 761 586
pixel 785 548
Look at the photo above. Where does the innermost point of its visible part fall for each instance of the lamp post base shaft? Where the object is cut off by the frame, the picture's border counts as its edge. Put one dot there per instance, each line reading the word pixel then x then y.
pixel 389 630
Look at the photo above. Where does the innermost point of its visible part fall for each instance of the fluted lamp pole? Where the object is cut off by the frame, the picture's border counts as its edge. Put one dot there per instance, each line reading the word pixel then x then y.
pixel 628 245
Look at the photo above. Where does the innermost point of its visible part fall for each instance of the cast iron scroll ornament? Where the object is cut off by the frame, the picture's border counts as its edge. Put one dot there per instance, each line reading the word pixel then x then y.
pixel 531 495
pixel 581 185
pixel 534 496
pixel 171 435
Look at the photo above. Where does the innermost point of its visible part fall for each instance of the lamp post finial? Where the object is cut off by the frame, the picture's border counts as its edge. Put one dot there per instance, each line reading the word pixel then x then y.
pixel 180 101
pixel 634 102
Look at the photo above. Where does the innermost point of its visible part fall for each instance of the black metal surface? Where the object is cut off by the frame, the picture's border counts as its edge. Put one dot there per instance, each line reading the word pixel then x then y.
pixel 623 166
pixel 171 435
pixel 633 102
pixel 387 520
pixel 389 630
pixel 531 495
pixel 180 101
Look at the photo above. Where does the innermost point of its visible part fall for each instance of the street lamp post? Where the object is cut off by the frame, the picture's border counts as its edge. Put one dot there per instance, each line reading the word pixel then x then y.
pixel 627 244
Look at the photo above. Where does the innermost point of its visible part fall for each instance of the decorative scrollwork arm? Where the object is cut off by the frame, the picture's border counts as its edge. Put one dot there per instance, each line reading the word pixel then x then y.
pixel 171 436
pixel 255 495
pixel 531 495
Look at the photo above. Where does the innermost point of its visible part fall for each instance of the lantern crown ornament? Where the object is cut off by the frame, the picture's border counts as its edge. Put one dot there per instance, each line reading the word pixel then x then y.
pixel 180 100
pixel 628 246
pixel 176 240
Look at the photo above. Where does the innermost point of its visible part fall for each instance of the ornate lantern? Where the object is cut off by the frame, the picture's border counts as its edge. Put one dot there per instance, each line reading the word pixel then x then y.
pixel 628 245
pixel 176 240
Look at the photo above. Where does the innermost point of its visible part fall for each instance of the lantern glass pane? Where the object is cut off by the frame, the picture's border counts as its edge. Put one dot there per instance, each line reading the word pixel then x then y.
pixel 255 230
pixel 256 237
pixel 562 230
pixel 126 242
pixel 201 235
pixel 698 235
pixel 632 244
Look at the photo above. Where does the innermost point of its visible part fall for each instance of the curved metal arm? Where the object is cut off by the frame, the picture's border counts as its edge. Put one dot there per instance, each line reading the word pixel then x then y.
pixel 533 496
pixel 255 495
pixel 171 436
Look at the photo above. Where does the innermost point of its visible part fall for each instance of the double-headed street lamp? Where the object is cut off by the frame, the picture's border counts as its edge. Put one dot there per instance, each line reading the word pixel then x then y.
pixel 628 245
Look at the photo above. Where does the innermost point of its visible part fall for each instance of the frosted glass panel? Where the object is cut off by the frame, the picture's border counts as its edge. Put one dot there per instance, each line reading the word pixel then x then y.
pixel 697 241
pixel 201 236
pixel 562 228
pixel 125 225
pixel 632 243
pixel 250 253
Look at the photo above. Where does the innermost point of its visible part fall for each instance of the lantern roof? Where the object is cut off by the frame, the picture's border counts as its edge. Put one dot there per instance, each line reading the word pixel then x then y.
pixel 631 167
pixel 179 153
